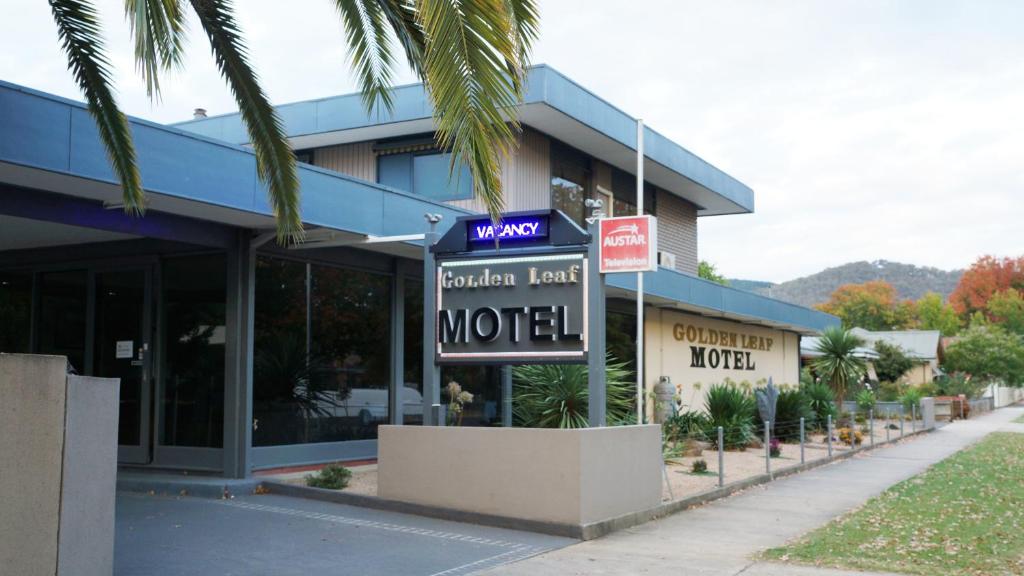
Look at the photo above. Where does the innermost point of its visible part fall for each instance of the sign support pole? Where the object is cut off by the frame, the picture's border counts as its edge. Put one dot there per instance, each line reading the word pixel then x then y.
pixel 431 371
pixel 639 278
pixel 596 407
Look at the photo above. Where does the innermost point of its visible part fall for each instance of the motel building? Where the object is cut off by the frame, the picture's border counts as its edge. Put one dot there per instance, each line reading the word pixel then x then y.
pixel 237 355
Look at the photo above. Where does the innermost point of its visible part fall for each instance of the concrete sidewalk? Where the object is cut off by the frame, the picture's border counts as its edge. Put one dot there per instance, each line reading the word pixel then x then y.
pixel 720 538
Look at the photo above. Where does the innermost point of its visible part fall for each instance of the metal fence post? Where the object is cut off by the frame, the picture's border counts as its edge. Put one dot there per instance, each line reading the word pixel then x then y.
pixel 871 425
pixel 767 449
pixel 801 440
pixel 903 416
pixel 913 418
pixel 721 456
pixel 888 424
pixel 829 435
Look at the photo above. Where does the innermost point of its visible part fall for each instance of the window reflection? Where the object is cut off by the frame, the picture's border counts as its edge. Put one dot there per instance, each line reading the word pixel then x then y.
pixel 322 365
pixel 570 178
pixel 15 311
pixel 194 290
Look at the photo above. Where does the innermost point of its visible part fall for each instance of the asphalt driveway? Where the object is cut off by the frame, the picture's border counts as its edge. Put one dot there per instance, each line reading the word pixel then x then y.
pixel 279 535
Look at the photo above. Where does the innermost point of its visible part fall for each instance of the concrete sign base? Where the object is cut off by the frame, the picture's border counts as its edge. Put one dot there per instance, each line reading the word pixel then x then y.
pixel 58 446
pixel 567 477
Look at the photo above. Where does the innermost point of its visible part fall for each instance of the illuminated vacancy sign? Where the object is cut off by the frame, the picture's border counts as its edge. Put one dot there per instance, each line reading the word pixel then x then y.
pixel 523 309
pixel 511 228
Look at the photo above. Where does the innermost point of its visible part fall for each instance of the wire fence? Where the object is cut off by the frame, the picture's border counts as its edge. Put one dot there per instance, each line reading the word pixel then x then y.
pixel 702 455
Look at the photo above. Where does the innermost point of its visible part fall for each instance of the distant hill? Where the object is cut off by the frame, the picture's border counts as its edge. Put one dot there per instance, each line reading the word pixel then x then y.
pixel 911 282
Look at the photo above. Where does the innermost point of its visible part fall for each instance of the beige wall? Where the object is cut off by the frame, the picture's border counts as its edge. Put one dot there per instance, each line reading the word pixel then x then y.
pixel 677 230
pixel 773 353
pixel 574 477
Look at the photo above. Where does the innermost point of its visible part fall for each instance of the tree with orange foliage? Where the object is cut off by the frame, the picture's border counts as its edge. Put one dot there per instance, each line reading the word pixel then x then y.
pixel 872 305
pixel 986 277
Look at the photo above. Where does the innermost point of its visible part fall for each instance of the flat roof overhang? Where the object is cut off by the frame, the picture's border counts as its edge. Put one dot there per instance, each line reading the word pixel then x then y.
pixel 198 186
pixel 553 104
pixel 672 290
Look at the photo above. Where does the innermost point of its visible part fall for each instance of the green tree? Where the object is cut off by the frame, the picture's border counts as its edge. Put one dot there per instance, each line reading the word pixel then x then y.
pixel 934 314
pixel 837 366
pixel 708 271
pixel 892 362
pixel 1006 309
pixel 871 305
pixel 471 56
pixel 987 353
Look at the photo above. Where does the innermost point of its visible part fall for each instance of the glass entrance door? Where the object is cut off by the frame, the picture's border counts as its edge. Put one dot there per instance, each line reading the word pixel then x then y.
pixel 121 348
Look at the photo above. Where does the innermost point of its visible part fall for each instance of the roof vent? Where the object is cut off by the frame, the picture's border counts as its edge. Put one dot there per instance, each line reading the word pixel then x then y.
pixel 199 113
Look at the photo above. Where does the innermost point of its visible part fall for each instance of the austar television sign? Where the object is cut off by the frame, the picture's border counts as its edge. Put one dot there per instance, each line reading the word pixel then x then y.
pixel 628 244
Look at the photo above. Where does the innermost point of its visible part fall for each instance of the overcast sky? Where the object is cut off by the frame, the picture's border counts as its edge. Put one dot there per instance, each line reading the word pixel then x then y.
pixel 867 129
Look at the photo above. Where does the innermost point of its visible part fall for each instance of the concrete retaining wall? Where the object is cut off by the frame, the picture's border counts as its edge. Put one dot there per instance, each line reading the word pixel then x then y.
pixel 569 477
pixel 58 466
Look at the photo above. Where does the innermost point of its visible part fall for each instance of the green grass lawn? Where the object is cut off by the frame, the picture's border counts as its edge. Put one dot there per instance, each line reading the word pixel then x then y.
pixel 965 515
pixel 1020 420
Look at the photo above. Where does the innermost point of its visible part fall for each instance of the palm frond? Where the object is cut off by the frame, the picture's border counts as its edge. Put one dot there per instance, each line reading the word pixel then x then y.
pixel 524 19
pixel 158 27
pixel 472 68
pixel 79 31
pixel 275 162
pixel 366 30
pixel 401 15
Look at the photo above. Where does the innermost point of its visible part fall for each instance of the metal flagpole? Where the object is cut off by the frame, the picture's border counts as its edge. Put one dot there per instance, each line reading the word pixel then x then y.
pixel 639 277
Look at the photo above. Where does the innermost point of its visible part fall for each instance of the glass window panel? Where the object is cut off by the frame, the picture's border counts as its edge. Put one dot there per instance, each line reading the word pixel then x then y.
pixel 15 311
pixel 279 366
pixel 484 383
pixel 395 170
pixel 350 360
pixel 431 178
pixel 62 309
pixel 119 318
pixel 412 399
pixel 192 403
pixel 569 182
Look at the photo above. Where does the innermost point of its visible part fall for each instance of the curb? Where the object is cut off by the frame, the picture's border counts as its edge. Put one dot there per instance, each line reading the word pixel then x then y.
pixel 577 531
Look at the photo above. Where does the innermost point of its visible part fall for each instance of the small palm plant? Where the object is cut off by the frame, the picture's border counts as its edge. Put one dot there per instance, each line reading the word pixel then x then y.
pixel 557 395
pixel 837 365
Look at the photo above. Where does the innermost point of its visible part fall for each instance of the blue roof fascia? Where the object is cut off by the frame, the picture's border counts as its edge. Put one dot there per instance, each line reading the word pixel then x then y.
pixel 545 85
pixel 694 291
pixel 47 132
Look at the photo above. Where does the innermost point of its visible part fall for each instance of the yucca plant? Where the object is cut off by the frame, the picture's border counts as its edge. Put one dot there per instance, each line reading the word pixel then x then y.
pixel 837 365
pixel 732 407
pixel 557 395
pixel 471 56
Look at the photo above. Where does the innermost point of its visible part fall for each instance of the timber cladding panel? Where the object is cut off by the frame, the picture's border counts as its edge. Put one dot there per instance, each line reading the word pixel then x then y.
pixel 525 175
pixel 355 159
pixel 677 230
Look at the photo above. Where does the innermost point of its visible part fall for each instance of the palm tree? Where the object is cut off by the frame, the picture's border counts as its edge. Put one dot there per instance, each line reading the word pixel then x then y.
pixel 470 54
pixel 837 365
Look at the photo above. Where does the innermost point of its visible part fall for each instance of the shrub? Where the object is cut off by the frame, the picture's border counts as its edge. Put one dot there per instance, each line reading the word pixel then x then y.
pixel 957 384
pixel 890 391
pixel 699 466
pixel 911 399
pixel 687 424
pixel 556 395
pixel 892 362
pixel 732 407
pixel 821 400
pixel 865 401
pixel 332 477
pixel 791 406
pixel 844 436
